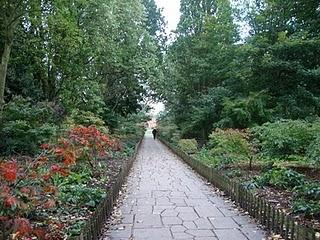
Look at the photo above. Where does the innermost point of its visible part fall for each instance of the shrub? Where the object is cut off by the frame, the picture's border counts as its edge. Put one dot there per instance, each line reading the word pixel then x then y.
pixel 205 156
pixel 309 190
pixel 24 109
pixel 26 126
pixel 132 128
pixel 84 118
pixel 21 137
pixel 281 178
pixel 308 208
pixel 283 138
pixel 189 146
pixel 226 147
pixel 307 199
pixel 170 132
pixel 245 112
pixel 313 151
pixel 26 189
pixel 231 144
pixel 82 143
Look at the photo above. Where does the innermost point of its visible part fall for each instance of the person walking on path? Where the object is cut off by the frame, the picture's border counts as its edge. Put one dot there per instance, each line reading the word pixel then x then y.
pixel 154 132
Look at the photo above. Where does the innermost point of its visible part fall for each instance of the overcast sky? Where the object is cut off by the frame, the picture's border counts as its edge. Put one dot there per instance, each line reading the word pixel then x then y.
pixel 171 12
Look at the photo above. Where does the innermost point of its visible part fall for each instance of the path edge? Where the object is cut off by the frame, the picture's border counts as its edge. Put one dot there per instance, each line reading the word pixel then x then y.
pixel 93 227
pixel 274 220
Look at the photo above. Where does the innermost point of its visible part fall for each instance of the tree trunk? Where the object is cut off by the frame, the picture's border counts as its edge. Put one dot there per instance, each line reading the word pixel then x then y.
pixel 3 72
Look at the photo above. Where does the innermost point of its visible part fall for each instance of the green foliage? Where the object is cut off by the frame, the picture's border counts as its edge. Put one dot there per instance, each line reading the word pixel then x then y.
pixel 309 190
pixel 21 137
pixel 189 146
pixel 272 74
pixel 81 195
pixel 226 147
pixel 242 113
pixel 130 130
pixel 281 178
pixel 193 15
pixel 230 143
pixel 284 138
pixel 132 126
pixel 203 112
pixel 308 208
pixel 25 109
pixel 168 130
pixel 313 151
pixel 75 191
pixel 25 126
pixel 234 173
pixel 87 96
pixel 205 156
pixel 84 118
pixel 307 199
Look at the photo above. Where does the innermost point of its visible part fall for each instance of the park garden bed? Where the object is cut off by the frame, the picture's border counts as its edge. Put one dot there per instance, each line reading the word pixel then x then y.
pixel 61 193
pixel 274 218
pixel 56 194
pixel 278 162
pixel 281 197
pixel 55 175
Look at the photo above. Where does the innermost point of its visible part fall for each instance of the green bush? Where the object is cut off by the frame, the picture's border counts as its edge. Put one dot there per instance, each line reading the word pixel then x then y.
pixel 84 118
pixel 308 208
pixel 245 112
pixel 284 138
pixel 205 156
pixel 189 146
pixel 81 195
pixel 309 190
pixel 21 137
pixel 313 151
pixel 281 178
pixel 225 147
pixel 24 109
pixel 170 132
pixel 307 199
pixel 230 143
pixel 25 126
pixel 130 130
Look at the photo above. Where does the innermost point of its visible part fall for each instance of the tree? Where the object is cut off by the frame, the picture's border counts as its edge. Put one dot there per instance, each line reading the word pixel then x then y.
pixel 194 14
pixel 199 64
pixel 13 11
pixel 272 74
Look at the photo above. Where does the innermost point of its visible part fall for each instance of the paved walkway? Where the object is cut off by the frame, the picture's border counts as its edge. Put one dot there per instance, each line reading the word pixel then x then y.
pixel 167 200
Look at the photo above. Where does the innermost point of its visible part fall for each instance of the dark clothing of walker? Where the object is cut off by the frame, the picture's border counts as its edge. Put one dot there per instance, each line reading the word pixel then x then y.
pixel 154 132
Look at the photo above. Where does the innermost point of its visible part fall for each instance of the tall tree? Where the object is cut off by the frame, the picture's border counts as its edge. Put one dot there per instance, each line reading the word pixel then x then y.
pixel 194 14
pixel 12 11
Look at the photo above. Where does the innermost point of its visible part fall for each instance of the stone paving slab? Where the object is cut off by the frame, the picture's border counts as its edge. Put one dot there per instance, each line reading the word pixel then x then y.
pixel 166 200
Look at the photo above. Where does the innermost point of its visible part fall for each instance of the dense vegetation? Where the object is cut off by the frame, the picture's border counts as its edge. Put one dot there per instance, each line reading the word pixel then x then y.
pixel 73 80
pixel 216 79
pixel 252 101
pixel 75 77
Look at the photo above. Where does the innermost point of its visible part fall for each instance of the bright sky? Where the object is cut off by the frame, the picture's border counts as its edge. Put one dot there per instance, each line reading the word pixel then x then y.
pixel 171 12
pixel 157 108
